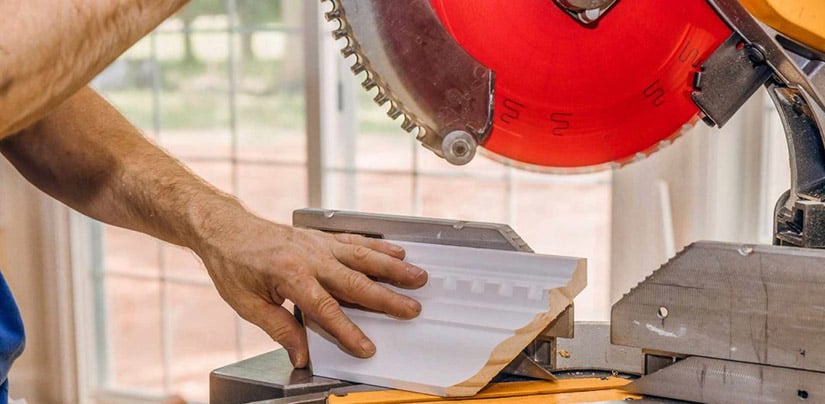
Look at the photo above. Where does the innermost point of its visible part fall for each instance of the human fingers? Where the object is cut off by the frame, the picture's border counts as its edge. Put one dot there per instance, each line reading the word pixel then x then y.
pixel 379 265
pixel 282 327
pixel 355 287
pixel 385 247
pixel 317 304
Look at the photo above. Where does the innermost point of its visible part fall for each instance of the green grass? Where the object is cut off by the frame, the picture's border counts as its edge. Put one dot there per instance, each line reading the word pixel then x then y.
pixel 196 96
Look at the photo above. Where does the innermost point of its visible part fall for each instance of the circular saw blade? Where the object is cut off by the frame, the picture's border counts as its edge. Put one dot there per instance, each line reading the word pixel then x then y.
pixel 574 96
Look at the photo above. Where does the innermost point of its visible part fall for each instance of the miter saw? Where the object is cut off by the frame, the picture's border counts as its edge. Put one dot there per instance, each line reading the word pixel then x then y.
pixel 582 85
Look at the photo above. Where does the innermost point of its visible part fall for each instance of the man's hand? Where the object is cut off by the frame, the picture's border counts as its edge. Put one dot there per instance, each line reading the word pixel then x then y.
pixel 258 265
pixel 89 157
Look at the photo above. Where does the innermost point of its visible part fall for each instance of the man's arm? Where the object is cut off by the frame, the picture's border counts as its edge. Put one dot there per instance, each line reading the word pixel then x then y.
pixel 49 49
pixel 88 156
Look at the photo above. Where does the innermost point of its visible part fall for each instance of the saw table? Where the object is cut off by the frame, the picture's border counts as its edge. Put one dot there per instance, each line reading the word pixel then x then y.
pixel 579 85
pixel 701 328
pixel 588 356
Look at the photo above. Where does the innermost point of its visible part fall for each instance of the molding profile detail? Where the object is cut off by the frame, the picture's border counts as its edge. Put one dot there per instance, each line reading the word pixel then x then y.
pixel 480 309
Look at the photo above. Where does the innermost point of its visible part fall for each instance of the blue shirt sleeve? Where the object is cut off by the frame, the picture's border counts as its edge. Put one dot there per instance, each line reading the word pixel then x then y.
pixel 12 336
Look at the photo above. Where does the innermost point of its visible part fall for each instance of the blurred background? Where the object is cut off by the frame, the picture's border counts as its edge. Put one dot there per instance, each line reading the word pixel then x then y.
pixel 253 97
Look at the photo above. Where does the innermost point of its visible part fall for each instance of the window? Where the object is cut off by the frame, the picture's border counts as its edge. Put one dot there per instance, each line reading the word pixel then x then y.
pixel 221 86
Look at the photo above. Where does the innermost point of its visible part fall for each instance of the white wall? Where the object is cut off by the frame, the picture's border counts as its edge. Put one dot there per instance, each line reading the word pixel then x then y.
pixel 717 184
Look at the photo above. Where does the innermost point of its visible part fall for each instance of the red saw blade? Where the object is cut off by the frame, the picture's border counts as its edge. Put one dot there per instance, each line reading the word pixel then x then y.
pixel 569 95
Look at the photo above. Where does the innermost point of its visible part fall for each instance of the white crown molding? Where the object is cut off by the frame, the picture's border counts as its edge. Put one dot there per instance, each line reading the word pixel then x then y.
pixel 480 309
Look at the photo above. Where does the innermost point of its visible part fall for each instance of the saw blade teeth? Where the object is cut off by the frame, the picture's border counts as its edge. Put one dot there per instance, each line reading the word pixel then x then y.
pixel 362 64
pixel 333 15
pixel 348 51
pixel 381 98
pixel 358 68
pixel 408 125
pixel 339 33
pixel 394 112
pixel 368 83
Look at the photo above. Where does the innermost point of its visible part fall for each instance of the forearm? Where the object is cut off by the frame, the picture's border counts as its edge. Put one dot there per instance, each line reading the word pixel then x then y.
pixel 87 155
pixel 49 49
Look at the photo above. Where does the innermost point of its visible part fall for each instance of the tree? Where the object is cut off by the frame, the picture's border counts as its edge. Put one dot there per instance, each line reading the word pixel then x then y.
pixel 256 12
pixel 188 15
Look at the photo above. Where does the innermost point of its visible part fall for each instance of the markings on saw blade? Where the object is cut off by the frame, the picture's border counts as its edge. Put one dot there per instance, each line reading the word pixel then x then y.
pixel 562 121
pixel 512 110
pixel 626 82
pixel 655 93
pixel 690 54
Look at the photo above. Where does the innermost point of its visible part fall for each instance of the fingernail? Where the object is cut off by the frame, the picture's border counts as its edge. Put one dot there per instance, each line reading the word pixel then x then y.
pixel 397 250
pixel 367 347
pixel 415 271
pixel 414 306
pixel 300 361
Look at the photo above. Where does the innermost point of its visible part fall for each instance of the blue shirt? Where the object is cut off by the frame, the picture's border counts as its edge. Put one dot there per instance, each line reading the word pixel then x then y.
pixel 12 337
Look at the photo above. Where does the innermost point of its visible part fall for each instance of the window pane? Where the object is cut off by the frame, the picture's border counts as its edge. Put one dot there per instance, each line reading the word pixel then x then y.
pixel 273 191
pixel 255 340
pixel 381 143
pixel 270 14
pixel 182 263
pixel 128 83
pixel 220 86
pixel 133 309
pixel 270 98
pixel 370 192
pixel 202 336
pixel 386 150
pixel 130 252
pixel 464 198
pixel 569 218
pixel 217 173
pixel 193 104
pixel 481 165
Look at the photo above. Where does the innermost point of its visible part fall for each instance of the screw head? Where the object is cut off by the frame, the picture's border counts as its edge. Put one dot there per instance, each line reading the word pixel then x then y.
pixel 755 54
pixel 459 147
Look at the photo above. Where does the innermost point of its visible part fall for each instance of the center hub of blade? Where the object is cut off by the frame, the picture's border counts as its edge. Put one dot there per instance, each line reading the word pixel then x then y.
pixel 586 11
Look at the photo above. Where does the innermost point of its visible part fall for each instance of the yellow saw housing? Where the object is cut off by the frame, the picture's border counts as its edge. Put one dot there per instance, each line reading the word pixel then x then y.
pixel 800 20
